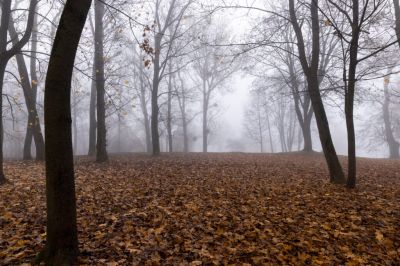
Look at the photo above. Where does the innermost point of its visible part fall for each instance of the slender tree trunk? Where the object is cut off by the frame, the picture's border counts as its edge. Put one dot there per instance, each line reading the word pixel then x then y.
pixel 2 71
pixel 390 139
pixel 92 115
pixel 205 128
pixel 61 238
pixel 101 149
pixel 397 16
pixel 306 130
pixel 29 132
pixel 119 133
pixel 29 88
pixel 349 99
pixel 5 19
pixel 270 135
pixel 143 106
pixel 185 134
pixel 155 135
pixel 5 55
pixel 75 126
pixel 311 72
pixel 260 132
pixel 205 118
pixel 169 112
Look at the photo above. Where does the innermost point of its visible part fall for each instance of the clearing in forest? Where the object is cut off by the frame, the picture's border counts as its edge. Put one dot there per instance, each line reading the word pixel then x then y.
pixel 212 209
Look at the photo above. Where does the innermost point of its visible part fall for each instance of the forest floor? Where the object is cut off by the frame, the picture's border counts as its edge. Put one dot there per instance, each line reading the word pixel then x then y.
pixel 237 209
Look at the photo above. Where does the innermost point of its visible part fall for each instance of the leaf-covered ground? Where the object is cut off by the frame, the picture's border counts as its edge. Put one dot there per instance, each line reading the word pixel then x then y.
pixel 232 209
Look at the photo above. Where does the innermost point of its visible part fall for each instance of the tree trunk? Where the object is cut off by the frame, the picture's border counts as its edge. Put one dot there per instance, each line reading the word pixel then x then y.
pixel 5 19
pixel 306 130
pixel 5 55
pixel 391 141
pixel 101 150
pixel 75 126
pixel 143 106
pixel 335 169
pixel 29 89
pixel 311 72
pixel 92 115
pixel 349 98
pixel 29 134
pixel 270 135
pixel 61 238
pixel 205 118
pixel 2 71
pixel 169 112
pixel 155 136
pixel 397 16
pixel 185 134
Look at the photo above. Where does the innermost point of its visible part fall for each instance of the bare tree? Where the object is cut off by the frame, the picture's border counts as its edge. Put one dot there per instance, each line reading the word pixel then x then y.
pixel 393 144
pixel 354 26
pixel 7 54
pixel 311 71
pixel 256 121
pixel 29 87
pixel 167 16
pixel 213 67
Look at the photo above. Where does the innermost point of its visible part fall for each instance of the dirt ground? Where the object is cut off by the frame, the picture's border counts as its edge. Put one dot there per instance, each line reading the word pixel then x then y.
pixel 214 209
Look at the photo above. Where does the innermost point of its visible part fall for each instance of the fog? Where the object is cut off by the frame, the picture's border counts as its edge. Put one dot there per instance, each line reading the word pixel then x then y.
pixel 223 51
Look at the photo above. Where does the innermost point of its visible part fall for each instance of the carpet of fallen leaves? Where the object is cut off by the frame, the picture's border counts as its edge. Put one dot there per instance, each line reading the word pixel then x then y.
pixel 221 209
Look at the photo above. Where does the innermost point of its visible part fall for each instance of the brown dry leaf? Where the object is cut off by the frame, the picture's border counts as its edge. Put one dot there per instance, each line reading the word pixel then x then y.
pixel 215 209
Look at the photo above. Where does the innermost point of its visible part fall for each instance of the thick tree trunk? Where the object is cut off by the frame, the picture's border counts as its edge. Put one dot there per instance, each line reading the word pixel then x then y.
pixel 311 72
pixel 390 139
pixel 155 136
pixel 29 88
pixel 92 114
pixel 61 238
pixel 335 169
pixel 101 149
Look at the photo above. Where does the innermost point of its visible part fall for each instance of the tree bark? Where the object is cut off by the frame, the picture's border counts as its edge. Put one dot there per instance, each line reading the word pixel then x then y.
pixel 143 105
pixel 2 71
pixel 349 98
pixel 61 238
pixel 205 118
pixel 5 56
pixel 75 126
pixel 390 139
pixel 311 72
pixel 397 17
pixel 101 150
pixel 92 115
pixel 169 112
pixel 155 135
pixel 270 135
pixel 29 88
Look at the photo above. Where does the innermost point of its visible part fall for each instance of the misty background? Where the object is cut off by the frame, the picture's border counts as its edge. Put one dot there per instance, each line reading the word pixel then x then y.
pixel 221 29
